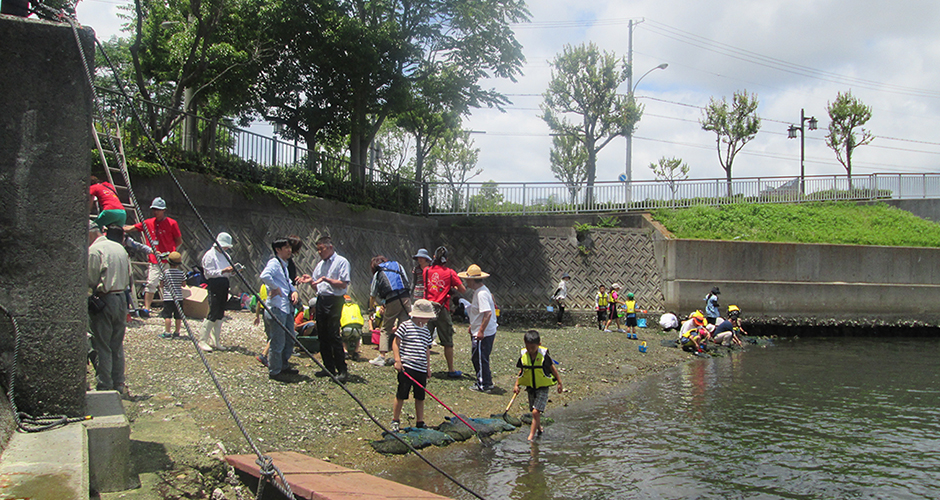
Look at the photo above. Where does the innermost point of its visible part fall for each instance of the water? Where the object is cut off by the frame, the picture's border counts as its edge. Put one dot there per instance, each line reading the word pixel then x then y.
pixel 808 419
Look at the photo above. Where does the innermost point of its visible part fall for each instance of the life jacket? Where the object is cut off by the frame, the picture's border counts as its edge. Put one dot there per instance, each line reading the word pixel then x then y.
pixel 533 373
pixel 602 299
pixel 392 282
pixel 687 337
pixel 631 307
pixel 351 316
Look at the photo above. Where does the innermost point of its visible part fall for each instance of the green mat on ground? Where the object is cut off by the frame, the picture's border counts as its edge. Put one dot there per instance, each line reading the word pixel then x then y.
pixel 485 426
pixel 418 438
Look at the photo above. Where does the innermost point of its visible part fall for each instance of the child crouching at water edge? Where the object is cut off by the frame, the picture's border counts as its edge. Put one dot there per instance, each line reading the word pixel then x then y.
pixel 537 373
pixel 412 350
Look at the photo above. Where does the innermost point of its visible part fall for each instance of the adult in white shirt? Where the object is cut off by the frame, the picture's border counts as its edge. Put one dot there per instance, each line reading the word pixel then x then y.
pixel 216 268
pixel 560 297
pixel 331 277
pixel 482 326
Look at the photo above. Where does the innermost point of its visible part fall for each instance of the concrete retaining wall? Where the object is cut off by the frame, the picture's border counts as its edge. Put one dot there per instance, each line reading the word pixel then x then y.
pixel 803 280
pixel 44 163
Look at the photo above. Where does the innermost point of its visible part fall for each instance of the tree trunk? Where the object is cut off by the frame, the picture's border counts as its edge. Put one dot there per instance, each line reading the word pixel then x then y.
pixel 591 172
pixel 848 163
pixel 728 176
pixel 419 159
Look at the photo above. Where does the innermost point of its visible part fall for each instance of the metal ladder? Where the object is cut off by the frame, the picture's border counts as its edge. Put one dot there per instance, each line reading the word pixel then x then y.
pixel 104 129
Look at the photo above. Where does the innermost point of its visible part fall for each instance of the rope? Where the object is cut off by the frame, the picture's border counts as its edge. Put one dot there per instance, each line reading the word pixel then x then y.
pixel 24 421
pixel 282 485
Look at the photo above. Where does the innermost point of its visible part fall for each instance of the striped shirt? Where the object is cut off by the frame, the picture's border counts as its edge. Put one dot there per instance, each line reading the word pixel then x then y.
pixel 173 279
pixel 414 345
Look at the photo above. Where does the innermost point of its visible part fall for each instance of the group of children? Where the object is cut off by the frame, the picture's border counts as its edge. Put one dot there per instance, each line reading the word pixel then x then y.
pixel 609 306
pixel 698 329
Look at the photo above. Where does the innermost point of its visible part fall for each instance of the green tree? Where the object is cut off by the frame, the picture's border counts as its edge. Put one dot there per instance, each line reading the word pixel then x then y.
pixel 670 170
pixel 846 114
pixel 488 199
pixel 569 163
pixel 584 86
pixel 734 126
pixel 453 163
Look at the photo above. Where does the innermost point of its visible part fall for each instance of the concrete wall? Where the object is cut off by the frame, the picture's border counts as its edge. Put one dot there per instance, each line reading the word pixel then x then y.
pixel 44 163
pixel 803 280
pixel 925 209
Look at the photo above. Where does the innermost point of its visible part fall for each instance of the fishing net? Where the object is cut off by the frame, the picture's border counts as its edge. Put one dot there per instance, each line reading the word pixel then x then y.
pixel 418 438
pixel 510 419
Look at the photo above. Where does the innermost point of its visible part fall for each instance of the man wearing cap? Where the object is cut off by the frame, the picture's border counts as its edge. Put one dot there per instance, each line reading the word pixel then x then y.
pixel 331 277
pixel 109 272
pixel 560 297
pixel 439 281
pixel 482 327
pixel 163 235
pixel 217 268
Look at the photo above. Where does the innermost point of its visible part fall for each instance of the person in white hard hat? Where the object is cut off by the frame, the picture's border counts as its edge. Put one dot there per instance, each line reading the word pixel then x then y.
pixel 217 267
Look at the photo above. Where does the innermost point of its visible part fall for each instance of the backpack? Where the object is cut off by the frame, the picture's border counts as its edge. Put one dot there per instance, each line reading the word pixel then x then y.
pixel 351 316
pixel 391 280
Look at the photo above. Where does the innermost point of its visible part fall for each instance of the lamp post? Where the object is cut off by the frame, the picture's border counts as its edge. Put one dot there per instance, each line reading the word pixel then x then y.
pixel 791 134
pixel 632 86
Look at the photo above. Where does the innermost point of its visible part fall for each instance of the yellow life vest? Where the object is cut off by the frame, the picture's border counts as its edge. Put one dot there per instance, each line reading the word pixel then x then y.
pixel 602 299
pixel 533 375
pixel 631 307
pixel 351 316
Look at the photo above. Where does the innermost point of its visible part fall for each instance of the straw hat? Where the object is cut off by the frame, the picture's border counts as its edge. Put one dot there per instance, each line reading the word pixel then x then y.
pixel 174 258
pixel 423 309
pixel 473 272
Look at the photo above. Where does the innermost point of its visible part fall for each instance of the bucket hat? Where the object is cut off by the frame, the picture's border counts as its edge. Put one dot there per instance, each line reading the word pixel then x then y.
pixel 423 253
pixel 423 309
pixel 225 240
pixel 158 203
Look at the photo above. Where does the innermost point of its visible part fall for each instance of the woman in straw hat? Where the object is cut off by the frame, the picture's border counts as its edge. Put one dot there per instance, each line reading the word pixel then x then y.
pixel 482 326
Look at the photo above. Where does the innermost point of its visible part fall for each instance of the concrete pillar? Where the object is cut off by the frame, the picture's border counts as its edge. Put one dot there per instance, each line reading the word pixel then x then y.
pixel 45 161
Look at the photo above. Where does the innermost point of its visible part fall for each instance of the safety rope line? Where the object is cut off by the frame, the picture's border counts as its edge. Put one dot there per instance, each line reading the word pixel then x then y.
pixel 262 459
pixel 24 421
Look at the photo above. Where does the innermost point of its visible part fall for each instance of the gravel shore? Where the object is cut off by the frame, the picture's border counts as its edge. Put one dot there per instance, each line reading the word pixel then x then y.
pixel 181 427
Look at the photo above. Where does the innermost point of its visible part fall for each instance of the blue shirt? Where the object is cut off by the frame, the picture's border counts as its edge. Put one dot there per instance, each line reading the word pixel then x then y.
pixel 334 268
pixel 274 277
pixel 711 306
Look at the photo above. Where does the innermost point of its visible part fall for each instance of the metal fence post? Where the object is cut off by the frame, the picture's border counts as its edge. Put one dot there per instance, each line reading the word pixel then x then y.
pixel 523 197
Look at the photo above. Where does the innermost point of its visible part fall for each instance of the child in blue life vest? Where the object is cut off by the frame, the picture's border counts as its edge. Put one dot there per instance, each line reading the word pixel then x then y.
pixel 537 373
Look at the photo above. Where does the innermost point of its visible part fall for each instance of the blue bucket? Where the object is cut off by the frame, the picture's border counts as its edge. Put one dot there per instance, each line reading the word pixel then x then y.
pixel 641 322
pixel 550 308
pixel 642 347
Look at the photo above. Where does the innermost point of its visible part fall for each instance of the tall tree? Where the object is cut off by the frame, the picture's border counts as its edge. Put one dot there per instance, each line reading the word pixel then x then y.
pixel 734 126
pixel 454 162
pixel 569 163
pixel 846 114
pixel 584 87
pixel 670 170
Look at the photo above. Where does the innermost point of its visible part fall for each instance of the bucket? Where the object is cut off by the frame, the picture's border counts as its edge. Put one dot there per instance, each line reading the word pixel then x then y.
pixel 312 344
pixel 642 347
pixel 550 308
pixel 641 322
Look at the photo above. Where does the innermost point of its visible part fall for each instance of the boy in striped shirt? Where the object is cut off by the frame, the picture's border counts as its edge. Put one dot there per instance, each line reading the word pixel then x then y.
pixel 412 350
pixel 173 278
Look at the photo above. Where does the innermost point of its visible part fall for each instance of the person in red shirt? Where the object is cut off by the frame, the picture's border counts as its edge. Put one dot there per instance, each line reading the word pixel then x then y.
pixel 439 281
pixel 166 232
pixel 111 209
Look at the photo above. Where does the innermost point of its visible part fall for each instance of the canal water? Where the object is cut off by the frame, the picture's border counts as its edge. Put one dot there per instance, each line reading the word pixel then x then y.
pixel 805 419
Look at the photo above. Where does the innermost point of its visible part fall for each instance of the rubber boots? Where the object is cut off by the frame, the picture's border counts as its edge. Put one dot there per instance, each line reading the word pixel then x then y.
pixel 205 336
pixel 216 335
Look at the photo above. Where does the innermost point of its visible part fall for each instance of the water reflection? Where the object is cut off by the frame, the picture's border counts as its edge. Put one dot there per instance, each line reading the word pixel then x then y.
pixel 808 419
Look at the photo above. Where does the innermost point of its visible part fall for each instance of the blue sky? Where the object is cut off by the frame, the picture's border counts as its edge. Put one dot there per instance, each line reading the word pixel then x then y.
pixel 793 54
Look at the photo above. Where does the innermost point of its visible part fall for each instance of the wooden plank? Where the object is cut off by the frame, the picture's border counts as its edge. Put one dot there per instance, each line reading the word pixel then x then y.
pixel 314 479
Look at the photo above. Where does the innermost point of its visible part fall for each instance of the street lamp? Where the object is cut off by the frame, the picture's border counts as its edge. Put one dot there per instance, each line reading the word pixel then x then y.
pixel 791 134
pixel 632 86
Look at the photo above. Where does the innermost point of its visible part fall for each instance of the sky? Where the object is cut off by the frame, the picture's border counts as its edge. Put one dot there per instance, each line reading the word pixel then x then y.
pixel 794 54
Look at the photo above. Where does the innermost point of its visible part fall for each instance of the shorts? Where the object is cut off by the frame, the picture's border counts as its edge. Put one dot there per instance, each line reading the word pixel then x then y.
pixel 602 314
pixel 630 320
pixel 538 398
pixel 444 324
pixel 107 217
pixel 153 278
pixel 170 310
pixel 405 384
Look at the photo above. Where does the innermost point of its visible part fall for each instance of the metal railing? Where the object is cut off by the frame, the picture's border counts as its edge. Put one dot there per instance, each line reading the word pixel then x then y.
pixel 557 197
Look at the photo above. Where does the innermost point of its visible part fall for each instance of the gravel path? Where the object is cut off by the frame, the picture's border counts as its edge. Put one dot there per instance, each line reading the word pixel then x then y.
pixel 176 410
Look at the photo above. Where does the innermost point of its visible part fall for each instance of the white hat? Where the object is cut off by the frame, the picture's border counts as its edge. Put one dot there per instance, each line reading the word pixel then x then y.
pixel 224 239
pixel 158 203
pixel 423 309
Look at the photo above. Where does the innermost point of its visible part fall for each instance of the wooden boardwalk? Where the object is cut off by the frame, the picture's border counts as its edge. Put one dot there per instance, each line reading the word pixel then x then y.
pixel 313 479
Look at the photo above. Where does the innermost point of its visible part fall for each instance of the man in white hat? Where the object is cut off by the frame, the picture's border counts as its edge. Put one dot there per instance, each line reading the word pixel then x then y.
pixel 482 326
pixel 163 236
pixel 217 268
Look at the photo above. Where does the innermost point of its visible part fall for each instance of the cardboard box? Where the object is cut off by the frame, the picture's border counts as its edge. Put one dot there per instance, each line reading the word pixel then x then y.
pixel 195 302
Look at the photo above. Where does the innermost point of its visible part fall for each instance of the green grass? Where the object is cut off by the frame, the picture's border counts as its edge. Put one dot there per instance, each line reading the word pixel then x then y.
pixel 824 222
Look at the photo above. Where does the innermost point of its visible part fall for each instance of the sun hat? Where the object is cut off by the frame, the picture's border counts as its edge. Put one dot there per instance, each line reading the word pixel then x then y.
pixel 473 272
pixel 422 253
pixel 423 309
pixel 225 240
pixel 158 203
pixel 312 303
pixel 565 276
pixel 615 286
pixel 175 258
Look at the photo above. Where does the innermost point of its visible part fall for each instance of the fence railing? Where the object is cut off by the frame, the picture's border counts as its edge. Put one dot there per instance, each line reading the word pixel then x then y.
pixel 557 197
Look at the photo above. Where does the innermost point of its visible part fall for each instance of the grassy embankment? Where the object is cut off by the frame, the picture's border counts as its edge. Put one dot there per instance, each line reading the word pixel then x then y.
pixel 825 222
